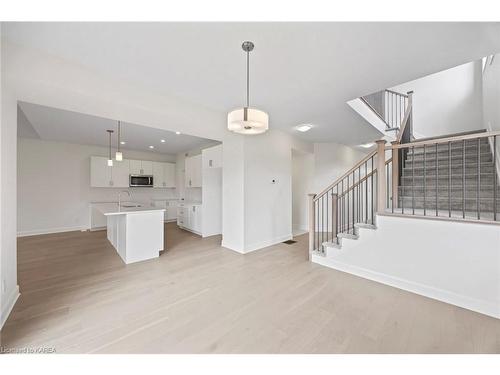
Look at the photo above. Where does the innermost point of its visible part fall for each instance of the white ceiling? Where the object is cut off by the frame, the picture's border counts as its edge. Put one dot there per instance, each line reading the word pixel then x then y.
pixel 300 72
pixel 50 124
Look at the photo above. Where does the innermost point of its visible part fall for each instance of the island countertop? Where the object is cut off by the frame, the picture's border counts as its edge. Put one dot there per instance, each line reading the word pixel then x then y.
pixel 129 210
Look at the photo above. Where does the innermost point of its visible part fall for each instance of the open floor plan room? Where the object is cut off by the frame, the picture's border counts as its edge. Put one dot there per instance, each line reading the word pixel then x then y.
pixel 79 297
pixel 249 188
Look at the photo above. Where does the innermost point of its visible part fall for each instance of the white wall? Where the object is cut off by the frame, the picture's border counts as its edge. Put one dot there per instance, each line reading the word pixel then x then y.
pixel 53 185
pixel 458 263
pixel 302 181
pixel 491 99
pixel 447 102
pixel 268 205
pixel 9 290
pixel 257 212
pixel 331 160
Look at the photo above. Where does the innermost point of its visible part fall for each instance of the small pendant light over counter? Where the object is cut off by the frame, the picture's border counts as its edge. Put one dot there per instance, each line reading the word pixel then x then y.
pixel 110 158
pixel 248 120
pixel 118 154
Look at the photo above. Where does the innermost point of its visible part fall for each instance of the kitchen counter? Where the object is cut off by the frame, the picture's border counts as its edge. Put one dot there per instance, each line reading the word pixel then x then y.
pixel 137 233
pixel 129 210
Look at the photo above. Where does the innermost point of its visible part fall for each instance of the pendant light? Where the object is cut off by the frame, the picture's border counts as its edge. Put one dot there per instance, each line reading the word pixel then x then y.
pixel 118 154
pixel 248 120
pixel 110 159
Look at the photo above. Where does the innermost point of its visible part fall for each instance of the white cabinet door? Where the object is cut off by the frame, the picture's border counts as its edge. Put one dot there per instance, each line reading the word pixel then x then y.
pixel 169 175
pixel 146 167
pixel 135 166
pixel 212 157
pixel 195 171
pixel 141 167
pixel 171 210
pixel 100 173
pixel 182 216
pixel 187 171
pixel 120 174
pixel 158 174
pixel 194 220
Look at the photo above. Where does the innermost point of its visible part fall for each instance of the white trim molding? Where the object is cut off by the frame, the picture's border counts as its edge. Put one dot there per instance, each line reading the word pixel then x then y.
pixel 484 307
pixel 52 230
pixel 8 305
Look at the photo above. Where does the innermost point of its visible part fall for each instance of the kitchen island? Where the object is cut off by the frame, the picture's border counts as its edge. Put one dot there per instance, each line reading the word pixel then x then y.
pixel 136 233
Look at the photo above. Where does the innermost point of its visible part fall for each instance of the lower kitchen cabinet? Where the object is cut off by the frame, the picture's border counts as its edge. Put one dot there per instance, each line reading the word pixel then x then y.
pixel 170 207
pixel 189 216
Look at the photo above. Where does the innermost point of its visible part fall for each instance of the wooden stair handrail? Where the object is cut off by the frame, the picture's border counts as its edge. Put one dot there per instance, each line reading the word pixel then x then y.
pixel 445 140
pixel 338 180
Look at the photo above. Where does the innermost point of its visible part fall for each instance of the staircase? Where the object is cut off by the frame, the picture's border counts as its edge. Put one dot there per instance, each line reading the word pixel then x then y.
pixel 452 177
pixel 460 180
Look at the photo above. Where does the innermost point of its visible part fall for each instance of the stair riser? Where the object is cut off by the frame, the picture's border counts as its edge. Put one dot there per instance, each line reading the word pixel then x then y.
pixel 441 169
pixel 470 146
pixel 470 181
pixel 444 207
pixel 418 191
pixel 455 158
pixel 470 205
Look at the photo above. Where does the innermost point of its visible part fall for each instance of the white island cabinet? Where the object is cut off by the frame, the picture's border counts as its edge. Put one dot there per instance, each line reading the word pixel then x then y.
pixel 136 234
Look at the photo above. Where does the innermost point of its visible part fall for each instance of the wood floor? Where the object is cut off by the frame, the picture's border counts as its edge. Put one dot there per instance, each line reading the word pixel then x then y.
pixel 78 297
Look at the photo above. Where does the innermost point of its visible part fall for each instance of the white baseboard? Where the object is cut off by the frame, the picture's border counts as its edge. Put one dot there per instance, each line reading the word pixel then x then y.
pixel 256 246
pixel 480 306
pixel 50 231
pixel 232 247
pixel 260 245
pixel 8 305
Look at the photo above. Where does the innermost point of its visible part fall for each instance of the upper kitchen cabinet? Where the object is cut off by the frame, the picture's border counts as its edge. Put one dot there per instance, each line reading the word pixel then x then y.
pixel 120 173
pixel 163 175
pixel 212 157
pixel 193 169
pixel 101 175
pixel 141 167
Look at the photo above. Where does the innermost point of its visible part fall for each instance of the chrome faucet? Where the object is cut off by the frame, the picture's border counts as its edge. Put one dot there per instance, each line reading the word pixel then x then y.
pixel 120 198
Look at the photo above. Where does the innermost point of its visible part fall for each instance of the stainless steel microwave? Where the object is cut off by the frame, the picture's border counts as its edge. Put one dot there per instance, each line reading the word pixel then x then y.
pixel 140 180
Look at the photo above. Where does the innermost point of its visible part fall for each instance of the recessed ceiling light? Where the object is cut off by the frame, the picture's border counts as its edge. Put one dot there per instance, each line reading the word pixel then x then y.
pixel 122 142
pixel 367 145
pixel 177 133
pixel 151 146
pixel 304 127
pixel 162 141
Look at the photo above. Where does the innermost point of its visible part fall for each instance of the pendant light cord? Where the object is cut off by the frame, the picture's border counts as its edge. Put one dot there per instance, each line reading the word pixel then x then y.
pixel 248 77
pixel 119 123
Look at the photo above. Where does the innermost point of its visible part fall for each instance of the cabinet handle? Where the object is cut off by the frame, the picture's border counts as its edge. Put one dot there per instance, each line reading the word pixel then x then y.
pixel 194 208
pixel 142 171
pixel 164 184
pixel 210 163
pixel 110 183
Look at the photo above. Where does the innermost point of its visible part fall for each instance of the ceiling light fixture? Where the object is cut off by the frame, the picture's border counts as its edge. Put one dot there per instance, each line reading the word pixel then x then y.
pixel 248 120
pixel 122 142
pixel 118 154
pixel 151 146
pixel 162 141
pixel 110 158
pixel 304 127
pixel 177 133
pixel 367 145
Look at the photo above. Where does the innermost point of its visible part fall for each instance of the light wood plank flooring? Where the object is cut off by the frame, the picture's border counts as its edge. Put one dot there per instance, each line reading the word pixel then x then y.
pixel 198 297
